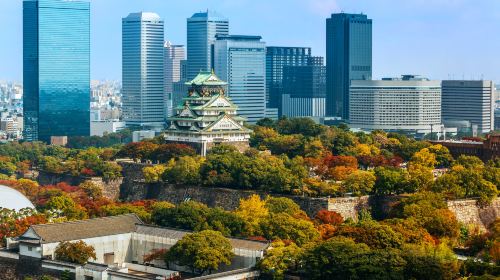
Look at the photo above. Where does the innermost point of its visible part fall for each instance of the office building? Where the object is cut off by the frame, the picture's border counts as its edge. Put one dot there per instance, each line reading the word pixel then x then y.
pixel 201 31
pixel 409 104
pixel 241 60
pixel 348 57
pixel 142 70
pixel 207 117
pixel 56 69
pixel 304 90
pixel 470 101
pixel 276 59
pixel 174 56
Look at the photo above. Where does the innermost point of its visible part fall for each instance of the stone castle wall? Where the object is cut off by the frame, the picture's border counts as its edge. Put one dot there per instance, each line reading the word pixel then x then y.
pixel 132 187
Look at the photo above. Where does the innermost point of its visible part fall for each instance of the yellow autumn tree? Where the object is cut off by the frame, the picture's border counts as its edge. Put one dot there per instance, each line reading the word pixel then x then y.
pixel 253 210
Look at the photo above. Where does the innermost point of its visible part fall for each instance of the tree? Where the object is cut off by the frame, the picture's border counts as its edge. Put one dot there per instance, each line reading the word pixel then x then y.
pixel 443 155
pixel 390 180
pixel 329 217
pixel 424 158
pixel 203 252
pixel 66 206
pixel 373 234
pixel 359 183
pixel 469 162
pixel 420 177
pixel 7 167
pixel 253 210
pixel 153 174
pixel 285 227
pixel 429 262
pixel 75 252
pixel 165 152
pixel 279 259
pixel 188 215
pixel 186 171
pixel 341 258
pixel 282 205
pixel 91 189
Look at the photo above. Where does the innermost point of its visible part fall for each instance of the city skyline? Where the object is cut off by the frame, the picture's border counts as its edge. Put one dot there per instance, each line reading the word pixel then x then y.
pixel 437 30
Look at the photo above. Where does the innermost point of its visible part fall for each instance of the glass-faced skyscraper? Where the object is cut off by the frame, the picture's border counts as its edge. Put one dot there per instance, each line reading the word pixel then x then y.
pixel 276 59
pixel 56 68
pixel 201 31
pixel 174 56
pixel 142 70
pixel 241 60
pixel 348 57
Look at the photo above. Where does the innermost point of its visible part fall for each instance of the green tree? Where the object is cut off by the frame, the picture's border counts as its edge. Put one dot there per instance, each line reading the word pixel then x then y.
pixel 153 174
pixel 186 171
pixel 203 252
pixel 341 258
pixel 279 259
pixel 285 227
pixel 390 181
pixel 188 215
pixel 282 205
pixel 75 252
pixel 359 182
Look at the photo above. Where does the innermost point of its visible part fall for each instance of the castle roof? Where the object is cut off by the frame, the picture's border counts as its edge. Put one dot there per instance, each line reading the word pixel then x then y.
pixel 206 78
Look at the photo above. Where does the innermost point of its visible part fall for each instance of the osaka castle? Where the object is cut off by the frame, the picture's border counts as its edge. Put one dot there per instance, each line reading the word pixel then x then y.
pixel 207 117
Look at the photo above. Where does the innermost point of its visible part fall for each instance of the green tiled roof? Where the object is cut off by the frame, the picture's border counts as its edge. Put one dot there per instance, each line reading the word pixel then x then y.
pixel 206 78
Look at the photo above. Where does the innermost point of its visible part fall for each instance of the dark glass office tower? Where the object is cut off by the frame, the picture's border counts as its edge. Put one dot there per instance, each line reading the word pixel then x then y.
pixel 348 57
pixel 56 73
pixel 276 59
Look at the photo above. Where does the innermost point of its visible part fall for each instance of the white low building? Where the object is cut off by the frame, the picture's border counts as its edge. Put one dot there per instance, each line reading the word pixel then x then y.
pixel 408 104
pixel 120 244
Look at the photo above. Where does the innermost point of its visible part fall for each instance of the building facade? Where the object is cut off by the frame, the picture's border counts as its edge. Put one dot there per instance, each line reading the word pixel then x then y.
pixel 241 61
pixel 304 91
pixel 410 104
pixel 174 55
pixel 348 57
pixel 207 117
pixel 201 31
pixel 471 101
pixel 276 59
pixel 56 69
pixel 142 70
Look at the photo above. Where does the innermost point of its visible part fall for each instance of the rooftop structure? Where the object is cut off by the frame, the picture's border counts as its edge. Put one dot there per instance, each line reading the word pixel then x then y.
pixel 120 243
pixel 207 116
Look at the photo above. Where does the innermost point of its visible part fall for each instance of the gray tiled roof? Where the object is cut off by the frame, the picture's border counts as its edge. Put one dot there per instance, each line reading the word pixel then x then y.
pixel 77 230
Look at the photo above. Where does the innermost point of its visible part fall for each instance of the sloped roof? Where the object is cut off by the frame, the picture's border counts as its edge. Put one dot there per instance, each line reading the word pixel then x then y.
pixel 177 234
pixel 83 229
pixel 206 78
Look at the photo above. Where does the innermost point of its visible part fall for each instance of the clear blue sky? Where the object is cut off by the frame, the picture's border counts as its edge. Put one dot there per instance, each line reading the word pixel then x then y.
pixel 436 38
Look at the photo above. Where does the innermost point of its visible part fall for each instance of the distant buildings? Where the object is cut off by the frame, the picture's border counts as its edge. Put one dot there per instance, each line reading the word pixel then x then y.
pixel 276 59
pixel 241 60
pixel 174 57
pixel 469 101
pixel 142 70
pixel 105 101
pixel 304 90
pixel 207 117
pixel 409 104
pixel 101 128
pixel 201 31
pixel 348 57
pixel 56 68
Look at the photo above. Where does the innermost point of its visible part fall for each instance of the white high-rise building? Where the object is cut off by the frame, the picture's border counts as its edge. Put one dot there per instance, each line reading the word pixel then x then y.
pixel 241 60
pixel 174 55
pixel 410 104
pixel 201 31
pixel 142 70
pixel 470 101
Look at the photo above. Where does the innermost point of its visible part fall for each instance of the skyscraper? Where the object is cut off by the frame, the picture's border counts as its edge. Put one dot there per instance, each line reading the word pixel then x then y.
pixel 471 101
pixel 348 57
pixel 201 31
pixel 174 55
pixel 276 59
pixel 304 89
pixel 142 70
pixel 241 60
pixel 56 68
